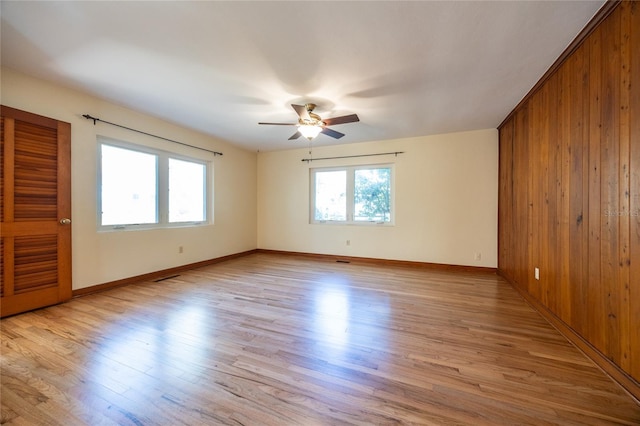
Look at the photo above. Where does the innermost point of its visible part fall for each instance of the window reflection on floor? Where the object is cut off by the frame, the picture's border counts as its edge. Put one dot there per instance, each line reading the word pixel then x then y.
pixel 345 322
pixel 342 323
pixel 170 348
pixel 331 318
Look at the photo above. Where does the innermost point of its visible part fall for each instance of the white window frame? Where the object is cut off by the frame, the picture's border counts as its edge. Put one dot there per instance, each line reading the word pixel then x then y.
pixel 350 195
pixel 162 190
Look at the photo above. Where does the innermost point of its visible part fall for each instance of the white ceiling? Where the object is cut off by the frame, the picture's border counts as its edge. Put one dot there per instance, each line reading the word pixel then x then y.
pixel 406 68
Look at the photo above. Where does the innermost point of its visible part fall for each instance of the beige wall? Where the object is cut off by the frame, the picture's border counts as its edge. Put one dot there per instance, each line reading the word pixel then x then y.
pixel 446 194
pixel 446 201
pixel 100 257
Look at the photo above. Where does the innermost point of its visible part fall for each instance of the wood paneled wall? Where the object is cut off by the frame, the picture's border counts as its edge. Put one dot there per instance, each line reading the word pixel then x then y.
pixel 569 194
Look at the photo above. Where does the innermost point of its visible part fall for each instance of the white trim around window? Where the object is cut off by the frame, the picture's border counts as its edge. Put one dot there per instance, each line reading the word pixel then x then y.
pixel 145 188
pixel 352 195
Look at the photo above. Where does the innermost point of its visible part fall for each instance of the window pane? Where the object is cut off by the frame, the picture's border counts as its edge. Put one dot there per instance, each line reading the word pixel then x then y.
pixel 186 191
pixel 372 195
pixel 129 187
pixel 331 195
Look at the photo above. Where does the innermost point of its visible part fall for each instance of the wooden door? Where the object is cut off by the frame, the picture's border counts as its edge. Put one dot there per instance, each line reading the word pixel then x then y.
pixel 35 214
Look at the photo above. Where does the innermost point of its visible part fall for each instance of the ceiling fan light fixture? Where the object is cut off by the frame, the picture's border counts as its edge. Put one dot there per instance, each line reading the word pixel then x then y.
pixel 310 124
pixel 309 131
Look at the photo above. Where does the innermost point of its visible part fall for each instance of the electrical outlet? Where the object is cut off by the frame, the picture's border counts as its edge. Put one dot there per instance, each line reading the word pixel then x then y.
pixel 348 242
pixel 477 256
pixel 536 273
pixel 180 249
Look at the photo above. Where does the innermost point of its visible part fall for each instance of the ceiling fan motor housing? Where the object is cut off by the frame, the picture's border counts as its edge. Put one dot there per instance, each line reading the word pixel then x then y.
pixel 308 120
pixel 313 120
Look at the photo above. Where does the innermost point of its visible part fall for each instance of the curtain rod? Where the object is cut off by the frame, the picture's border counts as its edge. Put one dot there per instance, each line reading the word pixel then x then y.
pixel 308 160
pixel 95 119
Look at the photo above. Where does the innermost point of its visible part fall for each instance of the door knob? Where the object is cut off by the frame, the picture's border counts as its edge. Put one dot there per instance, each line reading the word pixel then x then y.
pixel 65 221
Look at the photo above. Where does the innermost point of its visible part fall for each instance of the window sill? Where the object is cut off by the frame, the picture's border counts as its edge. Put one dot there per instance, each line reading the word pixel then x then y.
pixel 345 223
pixel 150 227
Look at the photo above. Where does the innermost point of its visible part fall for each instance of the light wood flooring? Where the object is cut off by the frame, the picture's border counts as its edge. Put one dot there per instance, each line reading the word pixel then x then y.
pixel 270 339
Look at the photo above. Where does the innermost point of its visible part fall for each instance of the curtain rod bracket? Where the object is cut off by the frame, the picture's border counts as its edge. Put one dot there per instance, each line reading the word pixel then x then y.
pixel 95 119
pixel 88 117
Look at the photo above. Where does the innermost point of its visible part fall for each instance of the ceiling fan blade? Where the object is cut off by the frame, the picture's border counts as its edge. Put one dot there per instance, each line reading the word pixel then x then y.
pixel 302 112
pixel 296 135
pixel 332 133
pixel 281 124
pixel 341 120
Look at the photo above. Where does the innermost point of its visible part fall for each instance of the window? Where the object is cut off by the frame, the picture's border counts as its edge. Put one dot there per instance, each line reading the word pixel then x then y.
pixel 331 195
pixel 186 191
pixel 358 194
pixel 129 187
pixel 141 187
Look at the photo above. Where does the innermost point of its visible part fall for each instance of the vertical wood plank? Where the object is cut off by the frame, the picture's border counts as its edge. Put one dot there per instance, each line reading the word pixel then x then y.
pixel 624 191
pixel 634 185
pixel 505 198
pixel 551 218
pixel 579 188
pixel 610 181
pixel 521 243
pixel 507 214
pixel 534 192
pixel 596 329
pixel 511 205
pixel 575 187
pixel 543 196
pixel 586 172
pixel 563 183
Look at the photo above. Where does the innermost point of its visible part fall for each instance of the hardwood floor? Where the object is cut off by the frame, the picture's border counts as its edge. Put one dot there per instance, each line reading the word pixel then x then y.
pixel 280 340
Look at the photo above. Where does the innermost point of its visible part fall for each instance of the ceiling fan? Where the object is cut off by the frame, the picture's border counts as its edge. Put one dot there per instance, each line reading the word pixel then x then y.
pixel 311 124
